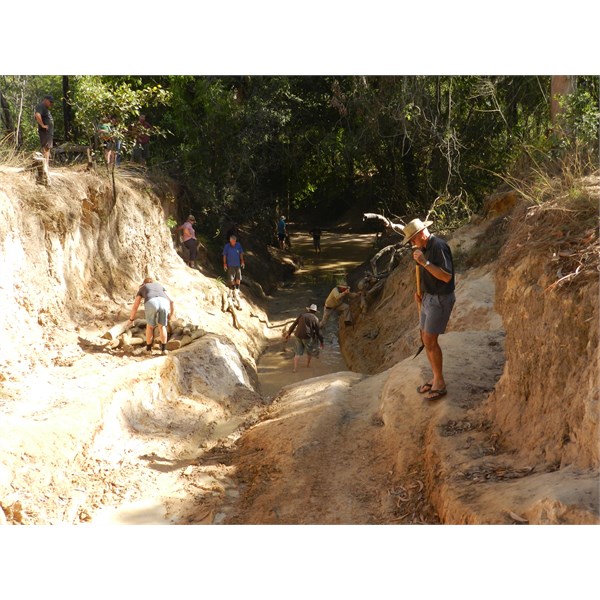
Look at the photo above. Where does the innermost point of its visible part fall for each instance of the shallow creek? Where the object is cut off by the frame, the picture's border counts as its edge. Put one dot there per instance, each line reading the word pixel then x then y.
pixel 340 254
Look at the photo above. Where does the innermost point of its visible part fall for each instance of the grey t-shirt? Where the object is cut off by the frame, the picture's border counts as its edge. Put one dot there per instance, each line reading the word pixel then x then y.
pixel 152 290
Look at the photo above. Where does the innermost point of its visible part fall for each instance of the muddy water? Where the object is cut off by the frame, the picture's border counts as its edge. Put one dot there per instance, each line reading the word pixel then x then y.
pixel 340 254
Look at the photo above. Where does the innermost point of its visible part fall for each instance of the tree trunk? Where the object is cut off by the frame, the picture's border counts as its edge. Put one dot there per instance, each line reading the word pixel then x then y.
pixel 560 86
pixel 67 109
pixel 6 117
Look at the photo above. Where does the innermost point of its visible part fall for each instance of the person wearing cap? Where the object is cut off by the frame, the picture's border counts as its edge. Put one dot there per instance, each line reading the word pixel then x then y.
pixel 189 239
pixel 45 123
pixel 336 301
pixel 307 335
pixel 233 263
pixel 437 299
pixel 158 309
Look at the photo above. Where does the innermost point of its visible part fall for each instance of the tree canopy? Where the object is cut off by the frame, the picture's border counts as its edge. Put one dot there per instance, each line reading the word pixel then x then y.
pixel 247 147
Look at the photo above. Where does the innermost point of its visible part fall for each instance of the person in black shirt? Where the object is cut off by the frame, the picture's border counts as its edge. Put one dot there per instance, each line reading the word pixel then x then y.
pixel 45 123
pixel 437 299
pixel 316 233
pixel 307 337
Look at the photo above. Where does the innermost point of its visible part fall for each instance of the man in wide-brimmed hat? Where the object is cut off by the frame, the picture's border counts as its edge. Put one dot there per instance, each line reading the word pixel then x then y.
pixel 307 335
pixel 336 300
pixel 437 298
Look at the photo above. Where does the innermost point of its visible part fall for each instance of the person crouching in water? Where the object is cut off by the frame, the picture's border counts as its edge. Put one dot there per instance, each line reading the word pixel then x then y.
pixel 307 336
pixel 158 308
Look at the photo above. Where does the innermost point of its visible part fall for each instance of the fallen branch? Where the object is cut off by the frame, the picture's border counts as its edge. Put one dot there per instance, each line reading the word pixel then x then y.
pixel 396 227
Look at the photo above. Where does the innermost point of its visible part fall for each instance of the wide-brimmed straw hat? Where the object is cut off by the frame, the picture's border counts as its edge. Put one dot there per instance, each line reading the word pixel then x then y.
pixel 414 227
pixel 312 307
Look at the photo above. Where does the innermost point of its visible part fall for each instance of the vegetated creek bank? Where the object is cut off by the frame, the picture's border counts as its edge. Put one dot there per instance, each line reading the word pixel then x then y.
pixel 341 253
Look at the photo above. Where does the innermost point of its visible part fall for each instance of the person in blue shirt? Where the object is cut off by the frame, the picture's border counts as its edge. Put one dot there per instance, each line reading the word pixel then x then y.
pixel 233 263
pixel 281 231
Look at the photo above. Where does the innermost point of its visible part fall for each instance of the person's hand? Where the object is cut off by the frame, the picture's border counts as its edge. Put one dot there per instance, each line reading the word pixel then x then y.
pixel 243 265
pixel 418 298
pixel 224 267
pixel 419 257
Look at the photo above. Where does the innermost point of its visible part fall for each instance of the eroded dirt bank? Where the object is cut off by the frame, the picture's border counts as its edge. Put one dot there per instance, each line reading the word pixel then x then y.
pixel 515 440
pixel 86 429
pixel 90 436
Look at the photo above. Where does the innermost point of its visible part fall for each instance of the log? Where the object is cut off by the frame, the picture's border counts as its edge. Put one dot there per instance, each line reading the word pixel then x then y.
pixel 116 330
pixel 178 342
pixel 41 168
pixel 174 343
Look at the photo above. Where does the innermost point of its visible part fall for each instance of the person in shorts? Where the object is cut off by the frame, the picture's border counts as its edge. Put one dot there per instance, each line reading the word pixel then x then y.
pixel 189 240
pixel 316 235
pixel 158 309
pixel 434 258
pixel 45 124
pixel 307 335
pixel 233 263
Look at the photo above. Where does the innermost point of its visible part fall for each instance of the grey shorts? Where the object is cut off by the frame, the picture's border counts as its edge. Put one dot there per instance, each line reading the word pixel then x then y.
pixel 435 312
pixel 46 138
pixel 311 346
pixel 156 310
pixel 234 274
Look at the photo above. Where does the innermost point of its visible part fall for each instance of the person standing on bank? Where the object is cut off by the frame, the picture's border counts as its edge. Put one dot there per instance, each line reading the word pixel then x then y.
pixel 189 240
pixel 233 263
pixel 434 258
pixel 45 122
pixel 158 308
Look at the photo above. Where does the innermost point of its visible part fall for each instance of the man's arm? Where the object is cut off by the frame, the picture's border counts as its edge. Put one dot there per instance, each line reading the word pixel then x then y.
pixel 432 269
pixel 135 307
pixel 38 118
pixel 291 330
pixel 318 333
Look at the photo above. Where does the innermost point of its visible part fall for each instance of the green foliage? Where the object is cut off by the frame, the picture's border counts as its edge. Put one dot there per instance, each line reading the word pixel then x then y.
pixel 96 98
pixel 579 118
pixel 246 148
